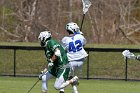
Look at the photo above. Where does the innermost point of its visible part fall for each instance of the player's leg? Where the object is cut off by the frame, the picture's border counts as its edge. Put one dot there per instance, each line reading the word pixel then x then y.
pixel 60 83
pixel 61 90
pixel 45 79
pixel 62 79
pixel 76 66
pixel 73 66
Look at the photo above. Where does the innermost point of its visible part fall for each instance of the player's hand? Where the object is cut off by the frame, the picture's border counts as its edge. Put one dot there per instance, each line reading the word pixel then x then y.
pixel 50 64
pixel 40 75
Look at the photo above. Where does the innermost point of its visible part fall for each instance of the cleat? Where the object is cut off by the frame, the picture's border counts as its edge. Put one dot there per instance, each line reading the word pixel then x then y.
pixel 61 92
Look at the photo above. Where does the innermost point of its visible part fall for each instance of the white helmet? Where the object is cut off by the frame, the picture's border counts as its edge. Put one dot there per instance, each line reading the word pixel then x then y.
pixel 73 27
pixel 44 36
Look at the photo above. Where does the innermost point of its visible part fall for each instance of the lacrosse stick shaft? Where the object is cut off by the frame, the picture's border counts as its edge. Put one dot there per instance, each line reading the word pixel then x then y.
pixel 33 86
pixel 82 22
pixel 44 71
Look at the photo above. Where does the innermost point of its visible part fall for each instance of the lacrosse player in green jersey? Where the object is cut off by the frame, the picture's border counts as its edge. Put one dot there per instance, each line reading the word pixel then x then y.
pixel 58 64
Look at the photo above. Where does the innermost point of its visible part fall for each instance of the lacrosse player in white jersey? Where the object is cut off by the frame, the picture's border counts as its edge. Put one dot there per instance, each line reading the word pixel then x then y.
pixel 74 45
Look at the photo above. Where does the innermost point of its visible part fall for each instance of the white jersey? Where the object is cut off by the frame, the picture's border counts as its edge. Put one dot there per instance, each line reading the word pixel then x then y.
pixel 74 46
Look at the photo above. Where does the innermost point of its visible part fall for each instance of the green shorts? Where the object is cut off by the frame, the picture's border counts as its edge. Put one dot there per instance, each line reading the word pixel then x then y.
pixel 59 72
pixel 63 72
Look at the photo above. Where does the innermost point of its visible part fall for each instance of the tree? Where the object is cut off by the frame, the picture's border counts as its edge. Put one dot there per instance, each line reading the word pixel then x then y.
pixel 107 21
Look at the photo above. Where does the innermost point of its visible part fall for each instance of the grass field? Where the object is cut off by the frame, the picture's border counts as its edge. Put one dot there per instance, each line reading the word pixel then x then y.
pixel 112 62
pixel 87 45
pixel 22 85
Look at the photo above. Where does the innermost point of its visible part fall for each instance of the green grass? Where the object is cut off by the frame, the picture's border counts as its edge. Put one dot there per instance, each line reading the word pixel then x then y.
pixel 87 45
pixel 20 43
pixel 112 46
pixel 22 85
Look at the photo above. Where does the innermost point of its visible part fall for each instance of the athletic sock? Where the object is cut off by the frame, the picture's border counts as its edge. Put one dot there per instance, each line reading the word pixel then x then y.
pixel 75 89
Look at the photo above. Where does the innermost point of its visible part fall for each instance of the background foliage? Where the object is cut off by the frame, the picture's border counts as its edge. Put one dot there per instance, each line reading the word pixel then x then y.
pixel 109 21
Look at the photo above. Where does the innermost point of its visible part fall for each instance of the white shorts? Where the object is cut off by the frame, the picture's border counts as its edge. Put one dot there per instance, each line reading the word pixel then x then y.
pixel 58 83
pixel 76 66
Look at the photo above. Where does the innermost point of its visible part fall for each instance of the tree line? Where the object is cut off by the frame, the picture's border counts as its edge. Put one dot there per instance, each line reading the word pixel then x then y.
pixel 107 21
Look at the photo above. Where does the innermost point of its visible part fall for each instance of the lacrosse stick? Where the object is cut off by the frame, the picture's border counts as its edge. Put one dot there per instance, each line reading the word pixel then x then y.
pixel 33 86
pixel 138 57
pixel 128 54
pixel 86 5
pixel 43 72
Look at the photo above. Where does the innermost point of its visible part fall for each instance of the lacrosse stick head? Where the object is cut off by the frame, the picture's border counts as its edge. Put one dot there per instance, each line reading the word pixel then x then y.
pixel 138 57
pixel 128 54
pixel 86 5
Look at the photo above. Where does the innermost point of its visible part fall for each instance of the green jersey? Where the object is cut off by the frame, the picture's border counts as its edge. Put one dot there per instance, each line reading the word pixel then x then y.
pixel 60 61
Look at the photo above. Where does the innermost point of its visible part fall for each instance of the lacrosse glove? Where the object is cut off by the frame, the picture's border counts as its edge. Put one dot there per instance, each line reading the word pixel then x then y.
pixel 50 64
pixel 40 75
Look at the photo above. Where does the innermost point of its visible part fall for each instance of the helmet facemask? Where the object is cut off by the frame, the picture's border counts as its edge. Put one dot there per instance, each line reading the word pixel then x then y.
pixel 72 27
pixel 44 37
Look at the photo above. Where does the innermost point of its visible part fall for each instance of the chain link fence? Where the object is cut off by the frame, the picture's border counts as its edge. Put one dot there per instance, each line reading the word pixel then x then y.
pixel 102 63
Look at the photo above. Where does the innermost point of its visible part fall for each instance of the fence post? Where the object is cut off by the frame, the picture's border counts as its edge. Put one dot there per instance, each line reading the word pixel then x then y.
pixel 126 66
pixel 88 66
pixel 14 62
